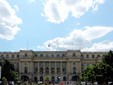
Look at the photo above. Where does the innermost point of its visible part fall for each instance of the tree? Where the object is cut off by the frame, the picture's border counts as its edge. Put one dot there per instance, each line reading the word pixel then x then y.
pixel 88 74
pixel 8 71
pixel 101 72
pixel 108 59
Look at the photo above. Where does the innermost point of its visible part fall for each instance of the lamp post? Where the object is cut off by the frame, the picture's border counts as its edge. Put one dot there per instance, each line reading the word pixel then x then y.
pixel 59 79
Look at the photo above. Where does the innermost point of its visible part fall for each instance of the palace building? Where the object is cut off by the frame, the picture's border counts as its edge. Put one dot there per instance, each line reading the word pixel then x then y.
pixel 57 65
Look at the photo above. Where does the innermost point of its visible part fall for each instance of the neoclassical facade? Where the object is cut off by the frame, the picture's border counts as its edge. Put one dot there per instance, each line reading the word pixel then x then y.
pixel 57 65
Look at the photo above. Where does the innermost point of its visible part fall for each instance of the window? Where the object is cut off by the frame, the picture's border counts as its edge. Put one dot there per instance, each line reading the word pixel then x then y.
pixel 47 63
pixel 64 78
pixel 25 70
pixel 47 70
pixel 35 55
pixel 93 56
pixel 58 55
pixel 41 78
pixel 35 70
pixel 25 54
pixel 52 63
pixel 46 55
pixel 17 56
pixel 64 70
pixel 53 79
pixel 63 55
pixel 63 63
pixel 58 63
pixel 41 63
pixel 74 69
pixel 82 55
pixel 52 70
pixel 87 56
pixel 41 70
pixel 41 55
pixel 98 55
pixel 12 56
pixel 7 56
pixel 58 70
pixel 74 63
pixel 74 54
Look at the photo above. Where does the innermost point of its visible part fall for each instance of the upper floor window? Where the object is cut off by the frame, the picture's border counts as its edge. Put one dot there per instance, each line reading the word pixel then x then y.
pixel 7 56
pixel 98 55
pixel 87 56
pixel 52 63
pixel 93 56
pixel 47 63
pixel 58 55
pixel 25 55
pixel 25 70
pixel 58 70
pixel 63 55
pixel 74 54
pixel 12 56
pixel 58 63
pixel 41 55
pixel 82 55
pixel 64 70
pixel 41 70
pixel 35 70
pixel 52 70
pixel 74 69
pixel 63 63
pixel 17 56
pixel 47 70
pixel 35 55
pixel 74 63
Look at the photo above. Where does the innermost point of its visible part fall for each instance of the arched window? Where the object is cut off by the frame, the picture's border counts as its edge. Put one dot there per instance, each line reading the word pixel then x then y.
pixel 53 79
pixel 41 78
pixel 74 69
pixel 25 70
pixel 47 70
pixel 35 79
pixel 41 70
pixel 58 70
pixel 52 70
pixel 64 78
pixel 35 70
pixel 64 70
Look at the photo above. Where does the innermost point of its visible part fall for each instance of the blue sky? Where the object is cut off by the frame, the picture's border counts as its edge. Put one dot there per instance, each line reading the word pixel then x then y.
pixel 54 25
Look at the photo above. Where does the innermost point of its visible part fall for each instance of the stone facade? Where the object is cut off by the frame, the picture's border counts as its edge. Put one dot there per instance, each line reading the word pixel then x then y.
pixel 57 65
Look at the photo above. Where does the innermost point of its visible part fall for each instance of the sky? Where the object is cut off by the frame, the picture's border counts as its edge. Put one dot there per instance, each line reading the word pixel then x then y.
pixel 56 25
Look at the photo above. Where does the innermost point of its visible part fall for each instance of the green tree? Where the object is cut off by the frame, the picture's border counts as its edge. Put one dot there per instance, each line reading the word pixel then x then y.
pixel 88 74
pixel 101 72
pixel 8 71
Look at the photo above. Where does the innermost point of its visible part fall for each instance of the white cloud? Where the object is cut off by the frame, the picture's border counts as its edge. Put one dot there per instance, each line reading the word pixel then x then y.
pixel 8 21
pixel 102 46
pixel 31 1
pixel 96 32
pixel 57 11
pixel 77 39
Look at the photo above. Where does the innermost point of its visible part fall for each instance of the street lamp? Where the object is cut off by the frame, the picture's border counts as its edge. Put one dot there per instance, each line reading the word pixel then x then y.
pixel 58 79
